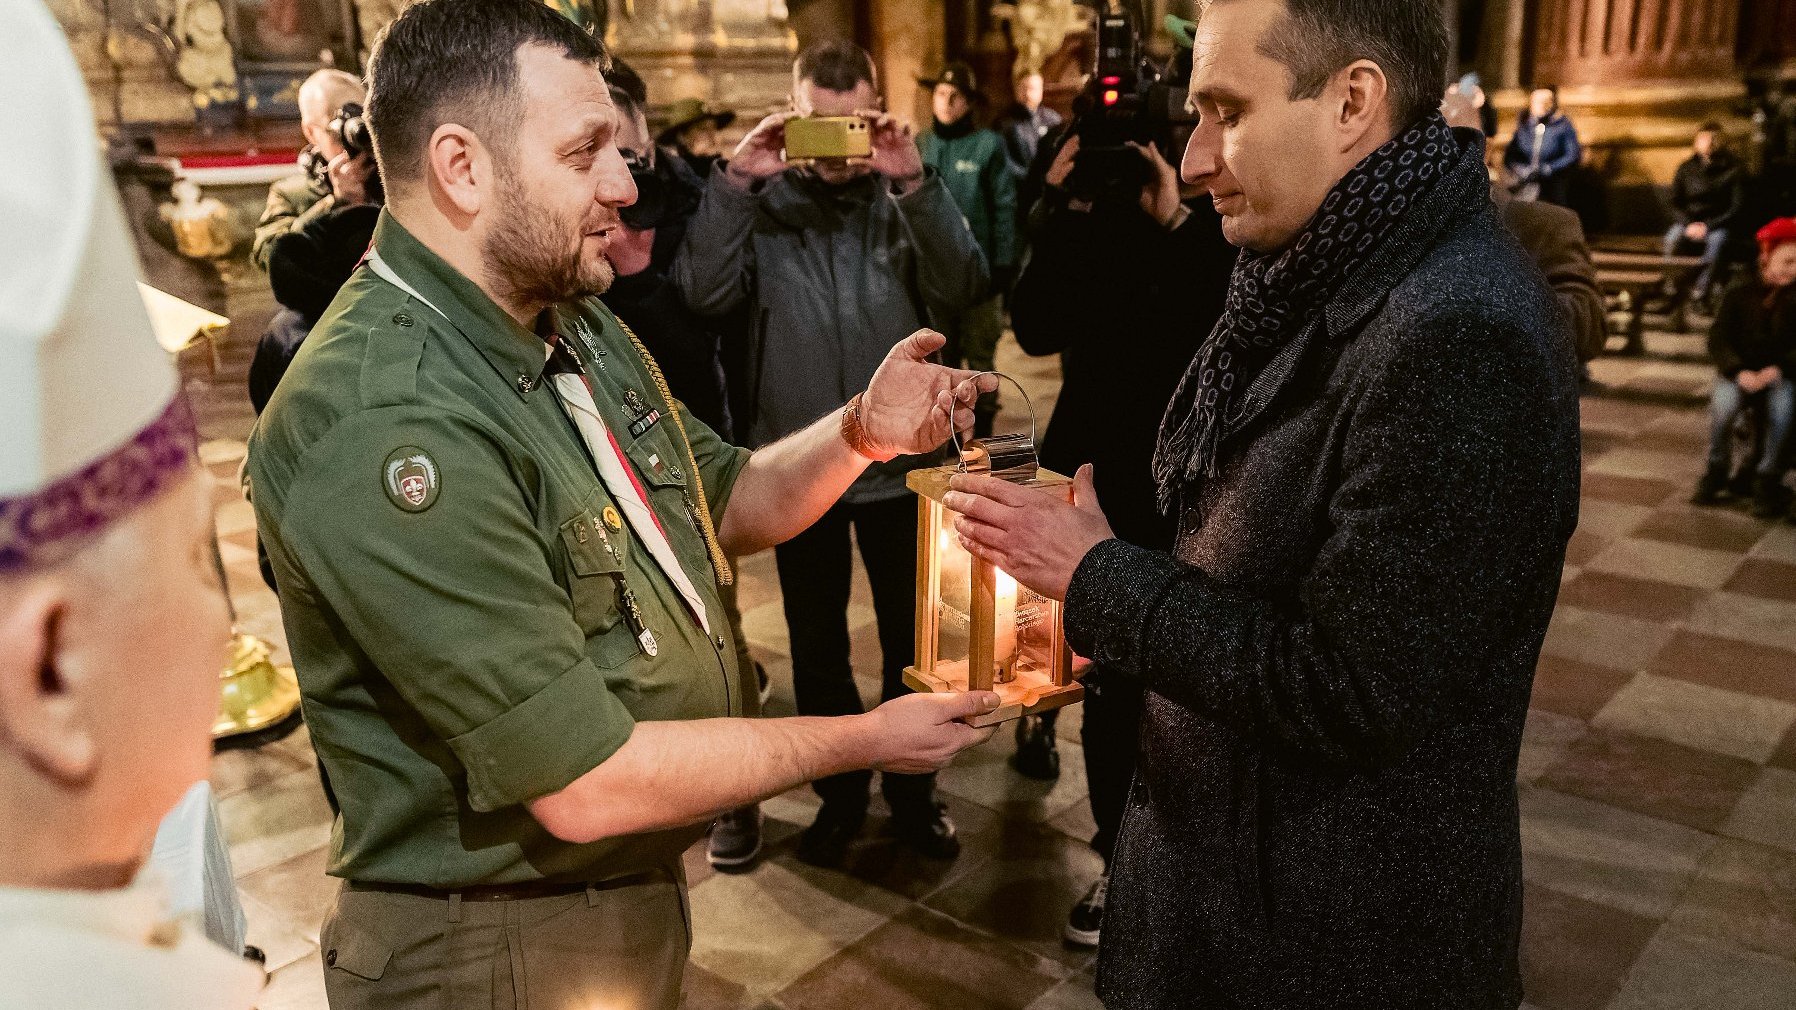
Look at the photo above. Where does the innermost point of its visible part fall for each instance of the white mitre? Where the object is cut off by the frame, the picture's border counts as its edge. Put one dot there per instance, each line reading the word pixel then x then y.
pixel 90 426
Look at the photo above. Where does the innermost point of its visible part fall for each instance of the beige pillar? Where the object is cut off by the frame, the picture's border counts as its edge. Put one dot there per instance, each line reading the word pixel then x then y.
pixel 909 38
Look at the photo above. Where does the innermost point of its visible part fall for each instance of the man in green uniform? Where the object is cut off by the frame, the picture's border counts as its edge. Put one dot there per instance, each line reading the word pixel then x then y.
pixel 493 535
pixel 971 161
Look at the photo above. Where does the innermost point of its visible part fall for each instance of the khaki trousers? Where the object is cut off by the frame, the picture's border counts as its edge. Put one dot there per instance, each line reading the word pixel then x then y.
pixel 620 947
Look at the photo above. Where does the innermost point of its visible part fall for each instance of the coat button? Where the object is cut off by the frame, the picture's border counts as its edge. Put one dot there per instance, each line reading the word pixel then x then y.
pixel 526 383
pixel 330 958
pixel 402 319
pixel 719 643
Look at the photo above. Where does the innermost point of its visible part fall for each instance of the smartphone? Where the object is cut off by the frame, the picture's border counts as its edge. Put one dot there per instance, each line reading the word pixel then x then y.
pixel 815 137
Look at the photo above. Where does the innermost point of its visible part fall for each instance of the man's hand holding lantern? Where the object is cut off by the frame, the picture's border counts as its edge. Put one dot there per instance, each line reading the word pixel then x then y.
pixel 1036 538
pixel 914 405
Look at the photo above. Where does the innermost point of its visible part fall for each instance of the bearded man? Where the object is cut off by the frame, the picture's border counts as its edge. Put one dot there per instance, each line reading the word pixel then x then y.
pixel 501 544
pixel 1373 465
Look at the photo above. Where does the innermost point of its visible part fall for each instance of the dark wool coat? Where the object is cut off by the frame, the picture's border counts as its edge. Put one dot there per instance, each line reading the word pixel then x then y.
pixel 1340 654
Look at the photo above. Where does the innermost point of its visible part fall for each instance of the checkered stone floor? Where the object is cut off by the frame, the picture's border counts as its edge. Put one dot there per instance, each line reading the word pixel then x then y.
pixel 1658 775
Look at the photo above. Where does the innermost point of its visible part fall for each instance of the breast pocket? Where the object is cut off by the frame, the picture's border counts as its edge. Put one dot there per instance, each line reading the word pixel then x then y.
pixel 660 459
pixel 597 557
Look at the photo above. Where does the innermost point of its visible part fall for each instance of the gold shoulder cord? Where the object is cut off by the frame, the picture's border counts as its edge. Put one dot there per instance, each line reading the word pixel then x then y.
pixel 720 564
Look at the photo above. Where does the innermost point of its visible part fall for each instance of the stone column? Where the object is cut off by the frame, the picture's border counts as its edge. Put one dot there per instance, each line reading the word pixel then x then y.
pixel 1638 77
pixel 909 40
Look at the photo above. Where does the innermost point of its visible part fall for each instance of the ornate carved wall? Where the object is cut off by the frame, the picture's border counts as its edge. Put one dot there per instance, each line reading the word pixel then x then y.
pixel 731 53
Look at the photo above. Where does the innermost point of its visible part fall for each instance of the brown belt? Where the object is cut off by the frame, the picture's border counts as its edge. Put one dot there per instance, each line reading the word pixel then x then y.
pixel 513 892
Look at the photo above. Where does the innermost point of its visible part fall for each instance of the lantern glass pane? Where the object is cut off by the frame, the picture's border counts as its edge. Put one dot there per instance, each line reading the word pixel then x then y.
pixel 1035 626
pixel 954 606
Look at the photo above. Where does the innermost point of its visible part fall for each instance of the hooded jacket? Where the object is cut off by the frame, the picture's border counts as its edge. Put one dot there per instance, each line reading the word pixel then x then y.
pixel 833 278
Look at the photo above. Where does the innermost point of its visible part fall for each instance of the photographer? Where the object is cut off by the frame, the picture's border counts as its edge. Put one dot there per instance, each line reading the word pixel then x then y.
pixel 1127 290
pixel 331 177
pixel 837 260
pixel 309 254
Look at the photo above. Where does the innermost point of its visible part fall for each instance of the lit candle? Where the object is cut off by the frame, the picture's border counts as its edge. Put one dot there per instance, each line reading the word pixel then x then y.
pixel 1004 643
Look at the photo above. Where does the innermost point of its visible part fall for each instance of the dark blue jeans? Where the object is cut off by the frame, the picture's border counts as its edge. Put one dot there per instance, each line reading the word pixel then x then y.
pixel 1712 246
pixel 1725 406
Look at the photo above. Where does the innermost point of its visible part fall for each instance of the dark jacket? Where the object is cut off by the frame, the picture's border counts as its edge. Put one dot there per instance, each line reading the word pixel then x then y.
pixel 1129 320
pixel 1560 148
pixel 1340 652
pixel 972 164
pixel 687 346
pixel 1023 132
pixel 834 278
pixel 1711 192
pixel 307 264
pixel 1749 335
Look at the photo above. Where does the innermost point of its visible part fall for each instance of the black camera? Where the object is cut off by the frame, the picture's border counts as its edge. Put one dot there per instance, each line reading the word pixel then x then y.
pixel 1128 100
pixel 350 127
pixel 663 191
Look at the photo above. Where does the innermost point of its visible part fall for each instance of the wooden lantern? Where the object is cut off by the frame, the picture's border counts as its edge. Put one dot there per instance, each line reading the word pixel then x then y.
pixel 977 628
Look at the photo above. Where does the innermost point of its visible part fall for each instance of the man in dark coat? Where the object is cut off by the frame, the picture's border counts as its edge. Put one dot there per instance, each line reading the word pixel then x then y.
pixel 1128 320
pixel 1708 195
pixel 1374 465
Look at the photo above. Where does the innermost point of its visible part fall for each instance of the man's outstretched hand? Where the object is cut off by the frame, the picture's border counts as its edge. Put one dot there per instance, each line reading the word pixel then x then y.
pixel 913 405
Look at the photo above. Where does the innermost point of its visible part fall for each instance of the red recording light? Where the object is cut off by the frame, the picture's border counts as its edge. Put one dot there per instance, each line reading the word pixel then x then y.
pixel 1112 81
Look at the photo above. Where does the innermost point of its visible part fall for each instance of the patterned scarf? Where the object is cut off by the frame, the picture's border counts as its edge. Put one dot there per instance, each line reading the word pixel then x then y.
pixel 1272 296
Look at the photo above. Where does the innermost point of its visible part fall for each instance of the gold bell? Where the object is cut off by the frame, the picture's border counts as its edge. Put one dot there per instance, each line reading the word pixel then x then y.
pixel 254 694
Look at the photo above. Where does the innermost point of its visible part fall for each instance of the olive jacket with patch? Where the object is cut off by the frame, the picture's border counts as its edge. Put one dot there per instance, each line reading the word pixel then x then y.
pixel 453 574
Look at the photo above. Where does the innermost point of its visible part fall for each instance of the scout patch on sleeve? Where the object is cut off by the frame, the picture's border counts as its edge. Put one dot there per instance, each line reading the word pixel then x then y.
pixel 410 478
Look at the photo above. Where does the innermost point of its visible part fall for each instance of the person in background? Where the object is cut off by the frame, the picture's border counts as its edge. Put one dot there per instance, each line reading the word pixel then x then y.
pixel 1373 465
pixel 694 131
pixel 1128 321
pixel 1024 126
pixel 836 261
pixel 1554 238
pixel 689 349
pixel 1753 345
pixel 971 161
pixel 1471 87
pixel 112 616
pixel 1544 151
pixel 332 177
pixel 314 228
pixel 1708 197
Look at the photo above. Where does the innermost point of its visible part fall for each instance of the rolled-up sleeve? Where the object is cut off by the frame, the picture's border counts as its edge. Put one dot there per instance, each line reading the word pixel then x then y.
pixel 455 603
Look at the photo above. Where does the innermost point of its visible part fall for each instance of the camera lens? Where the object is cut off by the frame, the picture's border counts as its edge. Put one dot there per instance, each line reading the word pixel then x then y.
pixel 651 200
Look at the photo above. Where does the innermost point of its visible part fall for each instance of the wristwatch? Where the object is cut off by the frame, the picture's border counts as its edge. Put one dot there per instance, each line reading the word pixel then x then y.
pixel 854 432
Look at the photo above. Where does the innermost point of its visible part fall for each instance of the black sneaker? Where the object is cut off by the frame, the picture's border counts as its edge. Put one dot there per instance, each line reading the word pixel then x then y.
pixel 1768 498
pixel 1036 756
pixel 928 830
pixel 1711 488
pixel 825 843
pixel 1086 920
pixel 1742 483
pixel 735 841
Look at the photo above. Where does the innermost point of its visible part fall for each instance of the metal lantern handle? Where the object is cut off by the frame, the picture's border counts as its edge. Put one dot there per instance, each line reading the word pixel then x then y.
pixel 1014 444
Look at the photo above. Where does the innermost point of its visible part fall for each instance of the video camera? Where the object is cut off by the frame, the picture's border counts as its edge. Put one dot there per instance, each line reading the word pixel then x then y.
pixel 1128 99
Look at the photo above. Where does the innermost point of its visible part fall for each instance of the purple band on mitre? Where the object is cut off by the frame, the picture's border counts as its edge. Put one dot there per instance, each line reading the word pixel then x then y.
pixel 33 527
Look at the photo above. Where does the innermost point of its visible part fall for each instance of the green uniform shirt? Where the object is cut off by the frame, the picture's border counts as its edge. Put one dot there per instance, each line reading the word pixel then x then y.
pixel 448 577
